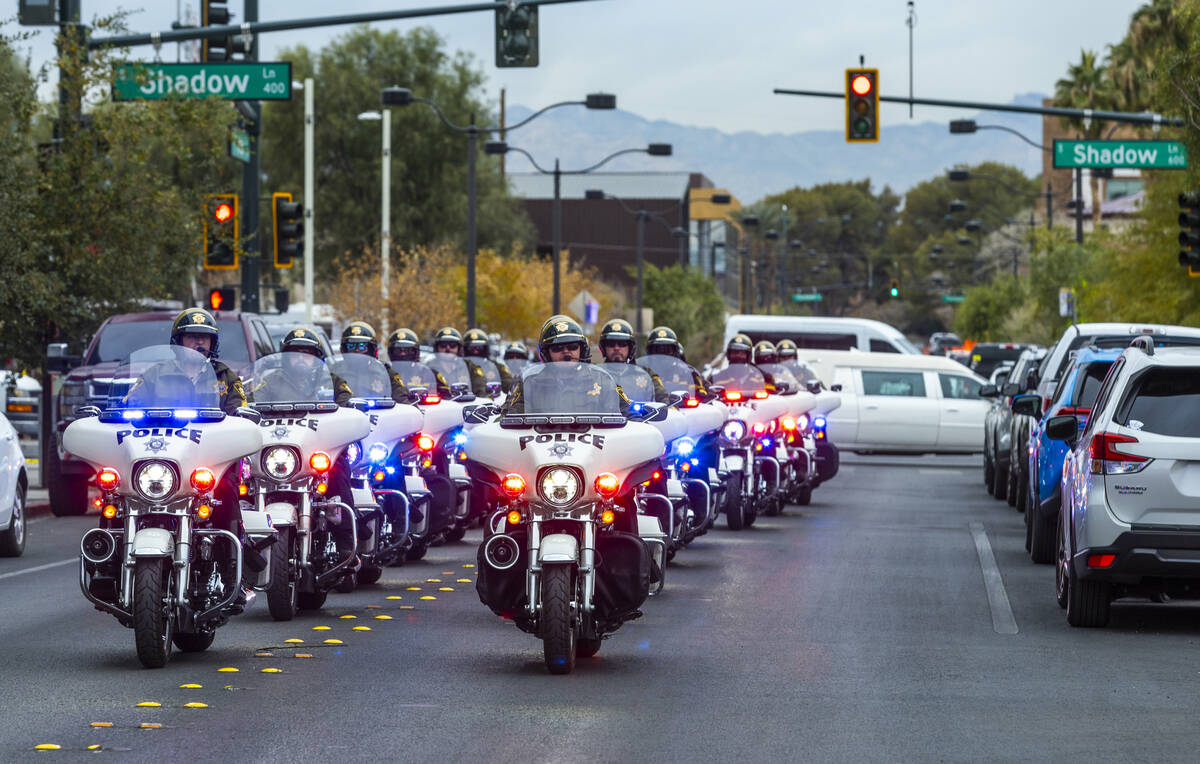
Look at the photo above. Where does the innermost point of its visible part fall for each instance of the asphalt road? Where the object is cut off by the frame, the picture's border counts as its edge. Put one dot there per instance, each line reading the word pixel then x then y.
pixel 861 628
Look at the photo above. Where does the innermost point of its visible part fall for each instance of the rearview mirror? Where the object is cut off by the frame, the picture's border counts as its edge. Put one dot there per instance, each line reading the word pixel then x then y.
pixel 58 360
pixel 86 411
pixel 477 414
pixel 676 398
pixel 248 413
pixel 1010 389
pixel 814 386
pixel 647 412
pixel 1064 427
pixel 1027 405
pixel 836 388
pixel 988 391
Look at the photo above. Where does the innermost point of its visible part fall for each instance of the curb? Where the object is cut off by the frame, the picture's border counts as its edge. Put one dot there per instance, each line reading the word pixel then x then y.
pixel 38 509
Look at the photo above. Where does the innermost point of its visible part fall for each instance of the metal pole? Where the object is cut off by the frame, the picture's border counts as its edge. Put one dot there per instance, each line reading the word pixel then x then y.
pixel 310 200
pixel 641 229
pixel 912 22
pixel 785 286
pixel 1049 207
pixel 385 233
pixel 1079 205
pixel 556 224
pixel 472 135
pixel 251 179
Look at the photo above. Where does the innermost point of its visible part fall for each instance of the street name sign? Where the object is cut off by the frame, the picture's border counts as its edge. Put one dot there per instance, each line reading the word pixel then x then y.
pixel 1146 155
pixel 235 81
pixel 806 297
pixel 953 298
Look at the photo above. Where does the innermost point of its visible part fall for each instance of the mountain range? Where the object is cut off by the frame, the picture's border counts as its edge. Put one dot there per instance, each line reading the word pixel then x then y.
pixel 752 165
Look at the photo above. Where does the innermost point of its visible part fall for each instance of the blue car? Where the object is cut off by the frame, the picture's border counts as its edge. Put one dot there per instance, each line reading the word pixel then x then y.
pixel 1075 394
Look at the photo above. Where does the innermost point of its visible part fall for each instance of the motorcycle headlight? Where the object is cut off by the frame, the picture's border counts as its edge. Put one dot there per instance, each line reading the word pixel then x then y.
pixel 734 430
pixel 559 486
pixel 280 462
pixel 354 452
pixel 685 446
pixel 802 423
pixel 377 453
pixel 155 480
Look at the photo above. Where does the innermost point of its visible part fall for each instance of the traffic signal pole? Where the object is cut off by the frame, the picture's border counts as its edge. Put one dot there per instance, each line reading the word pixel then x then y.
pixel 251 179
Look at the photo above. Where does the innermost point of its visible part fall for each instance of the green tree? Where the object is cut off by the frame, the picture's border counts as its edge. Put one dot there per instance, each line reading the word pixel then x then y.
pixel 688 302
pixel 1087 86
pixel 428 159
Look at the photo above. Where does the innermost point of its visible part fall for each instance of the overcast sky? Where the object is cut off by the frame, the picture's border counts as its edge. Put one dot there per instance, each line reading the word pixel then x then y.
pixel 714 63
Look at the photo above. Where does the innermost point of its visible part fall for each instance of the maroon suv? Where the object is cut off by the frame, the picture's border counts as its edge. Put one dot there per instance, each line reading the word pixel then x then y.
pixel 244 339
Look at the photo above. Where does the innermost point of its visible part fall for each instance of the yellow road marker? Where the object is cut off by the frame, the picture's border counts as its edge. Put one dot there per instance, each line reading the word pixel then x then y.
pixel 394 597
pixel 414 588
pixel 429 597
pixel 263 655
pixel 321 628
pixel 149 704
pixel 47 747
pixel 293 641
pixel 101 724
pixel 303 655
pixel 192 686
pixel 383 618
pixel 407 607
pixel 433 580
pixel 468 565
pixel 150 726
pixel 464 581
pixel 228 670
pixel 445 588
pixel 272 671
pixel 345 617
pixel 362 628
pixel 94 747
pixel 197 705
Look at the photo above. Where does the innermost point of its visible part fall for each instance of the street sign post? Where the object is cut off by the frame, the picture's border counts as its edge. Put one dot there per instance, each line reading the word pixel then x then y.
pixel 579 305
pixel 239 144
pixel 235 81
pixel 1146 155
pixel 807 297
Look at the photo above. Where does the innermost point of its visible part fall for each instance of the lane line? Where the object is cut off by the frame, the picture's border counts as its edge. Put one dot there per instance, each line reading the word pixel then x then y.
pixel 1003 621
pixel 38 568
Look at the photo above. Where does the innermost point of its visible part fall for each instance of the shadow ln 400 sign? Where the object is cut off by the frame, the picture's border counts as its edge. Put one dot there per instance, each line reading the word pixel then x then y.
pixel 1161 155
pixel 235 81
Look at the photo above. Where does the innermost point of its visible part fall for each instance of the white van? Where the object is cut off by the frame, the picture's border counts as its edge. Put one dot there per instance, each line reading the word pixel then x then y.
pixel 822 332
pixel 902 403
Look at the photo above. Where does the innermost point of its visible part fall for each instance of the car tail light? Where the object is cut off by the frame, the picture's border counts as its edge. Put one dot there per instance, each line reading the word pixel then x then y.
pixel 1045 405
pixel 732 395
pixel 607 485
pixel 1107 460
pixel 425 442
pixel 514 485
pixel 1074 411
pixel 319 461
pixel 108 479
pixel 203 480
pixel 1101 560
pixel 432 398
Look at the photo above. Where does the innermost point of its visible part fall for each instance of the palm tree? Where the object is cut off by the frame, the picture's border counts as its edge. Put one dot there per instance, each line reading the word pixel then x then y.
pixel 1131 62
pixel 1087 86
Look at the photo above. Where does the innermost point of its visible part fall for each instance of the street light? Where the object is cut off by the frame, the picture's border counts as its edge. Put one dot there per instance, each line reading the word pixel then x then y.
pixel 385 226
pixel 398 96
pixel 501 147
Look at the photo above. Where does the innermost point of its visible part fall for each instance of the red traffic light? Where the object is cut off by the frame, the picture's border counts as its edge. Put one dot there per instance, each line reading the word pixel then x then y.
pixel 215 298
pixel 223 212
pixel 861 85
pixel 221 298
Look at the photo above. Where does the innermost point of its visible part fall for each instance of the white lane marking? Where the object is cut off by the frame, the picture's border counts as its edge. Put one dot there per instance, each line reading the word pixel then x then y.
pixel 39 568
pixel 1003 621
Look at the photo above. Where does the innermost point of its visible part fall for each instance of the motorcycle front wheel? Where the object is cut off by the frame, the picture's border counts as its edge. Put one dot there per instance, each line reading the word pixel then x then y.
pixel 281 592
pixel 152 621
pixel 733 501
pixel 558 633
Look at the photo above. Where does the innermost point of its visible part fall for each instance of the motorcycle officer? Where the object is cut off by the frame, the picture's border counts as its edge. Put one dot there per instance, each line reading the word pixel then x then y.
pixel 359 337
pixel 787 350
pixel 618 345
pixel 516 351
pixel 561 340
pixel 449 340
pixel 404 345
pixel 664 341
pixel 739 350
pixel 475 345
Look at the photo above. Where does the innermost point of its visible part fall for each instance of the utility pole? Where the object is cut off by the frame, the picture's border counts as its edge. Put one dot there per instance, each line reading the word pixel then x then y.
pixel 310 200
pixel 1079 205
pixel 251 178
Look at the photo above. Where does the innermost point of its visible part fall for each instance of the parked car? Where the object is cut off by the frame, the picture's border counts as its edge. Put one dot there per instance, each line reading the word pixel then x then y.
pixel 941 342
pixel 997 435
pixel 22 401
pixel 14 484
pixel 986 356
pixel 1130 500
pixel 1074 395
pixel 902 403
pixel 1022 379
pixel 243 339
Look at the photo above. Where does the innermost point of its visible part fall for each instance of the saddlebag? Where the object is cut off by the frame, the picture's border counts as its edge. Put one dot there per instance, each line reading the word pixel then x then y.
pixel 827 461
pixel 504 590
pixel 622 575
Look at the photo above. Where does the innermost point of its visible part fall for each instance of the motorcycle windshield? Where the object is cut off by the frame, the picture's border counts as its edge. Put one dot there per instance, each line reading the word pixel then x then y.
pixel 676 375
pixel 569 388
pixel 516 365
pixel 165 377
pixel 491 372
pixel 801 372
pixel 782 374
pixel 452 368
pixel 367 377
pixel 741 378
pixel 415 375
pixel 633 380
pixel 290 378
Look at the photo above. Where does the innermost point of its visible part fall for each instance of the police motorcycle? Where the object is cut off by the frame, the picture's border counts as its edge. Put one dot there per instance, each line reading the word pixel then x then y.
pixel 446 454
pixel 516 358
pixel 566 556
pixel 381 514
pixel 825 453
pixel 753 476
pixel 792 441
pixel 695 457
pixel 292 481
pixel 160 447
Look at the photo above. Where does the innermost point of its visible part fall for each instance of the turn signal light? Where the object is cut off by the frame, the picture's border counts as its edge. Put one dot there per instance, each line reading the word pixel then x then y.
pixel 608 517
pixel 789 423
pixel 732 395
pixel 425 442
pixel 514 517
pixel 514 485
pixel 322 487
pixel 379 476
pixel 243 489
pixel 110 511
pixel 319 461
pixel 108 479
pixel 431 399
pixel 97 502
pixel 691 403
pixel 760 394
pixel 1101 560
pixel 204 511
pixel 759 428
pixel 656 476
pixel 203 480
pixel 607 485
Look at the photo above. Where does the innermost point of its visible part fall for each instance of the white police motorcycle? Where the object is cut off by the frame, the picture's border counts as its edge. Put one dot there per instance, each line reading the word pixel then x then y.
pixel 160 448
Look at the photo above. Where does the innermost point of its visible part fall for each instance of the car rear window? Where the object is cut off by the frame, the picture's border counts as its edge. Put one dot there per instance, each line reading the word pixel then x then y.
pixel 907 384
pixel 118 339
pixel 985 359
pixel 817 340
pixel 1087 384
pixel 1122 341
pixel 1165 402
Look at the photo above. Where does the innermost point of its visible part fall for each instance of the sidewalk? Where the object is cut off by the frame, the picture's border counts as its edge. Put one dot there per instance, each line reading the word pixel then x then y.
pixel 37 500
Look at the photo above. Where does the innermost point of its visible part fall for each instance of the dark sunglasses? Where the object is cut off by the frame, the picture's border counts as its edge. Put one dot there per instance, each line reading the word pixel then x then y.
pixel 356 346
pixel 567 347
pixel 446 347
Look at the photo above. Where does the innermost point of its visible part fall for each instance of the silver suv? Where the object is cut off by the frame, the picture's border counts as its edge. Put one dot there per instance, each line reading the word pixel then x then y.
pixel 1130 518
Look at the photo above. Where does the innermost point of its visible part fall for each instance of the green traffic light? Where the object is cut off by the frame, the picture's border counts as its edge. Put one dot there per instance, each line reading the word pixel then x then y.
pixel 895 292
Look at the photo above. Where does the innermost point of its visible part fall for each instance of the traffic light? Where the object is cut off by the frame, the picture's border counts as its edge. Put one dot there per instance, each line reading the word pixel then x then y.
pixel 862 105
pixel 287 221
pixel 517 36
pixel 221 230
pixel 1189 234
pixel 894 288
pixel 214 13
pixel 222 298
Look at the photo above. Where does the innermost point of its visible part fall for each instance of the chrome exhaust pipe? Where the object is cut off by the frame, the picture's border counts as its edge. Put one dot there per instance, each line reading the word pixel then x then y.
pixel 501 551
pixel 97 546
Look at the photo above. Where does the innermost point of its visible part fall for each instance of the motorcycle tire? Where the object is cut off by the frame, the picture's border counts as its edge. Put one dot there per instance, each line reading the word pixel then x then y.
pixel 733 502
pixel 586 648
pixel 347 584
pixel 196 642
pixel 152 620
pixel 455 534
pixel 311 600
pixel 282 592
pixel 804 495
pixel 12 541
pixel 369 574
pixel 774 507
pixel 417 552
pixel 750 513
pixel 557 631
pixel 68 493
